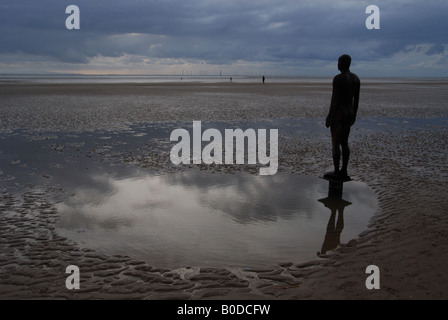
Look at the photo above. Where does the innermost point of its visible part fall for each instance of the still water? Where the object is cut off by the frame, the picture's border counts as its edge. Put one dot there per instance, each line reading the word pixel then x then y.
pixel 215 219
pixel 188 218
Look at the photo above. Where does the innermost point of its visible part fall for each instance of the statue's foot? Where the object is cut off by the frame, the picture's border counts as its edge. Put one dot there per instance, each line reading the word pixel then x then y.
pixel 344 176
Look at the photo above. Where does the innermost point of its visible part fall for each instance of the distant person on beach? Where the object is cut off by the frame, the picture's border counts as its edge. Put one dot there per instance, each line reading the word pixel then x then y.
pixel 262 79
pixel 342 114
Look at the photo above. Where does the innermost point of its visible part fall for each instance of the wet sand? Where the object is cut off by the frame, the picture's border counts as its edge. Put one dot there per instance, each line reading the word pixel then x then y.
pixel 406 167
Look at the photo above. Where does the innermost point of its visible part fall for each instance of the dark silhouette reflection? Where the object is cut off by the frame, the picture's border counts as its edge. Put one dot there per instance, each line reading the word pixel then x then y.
pixel 342 114
pixel 335 189
pixel 334 226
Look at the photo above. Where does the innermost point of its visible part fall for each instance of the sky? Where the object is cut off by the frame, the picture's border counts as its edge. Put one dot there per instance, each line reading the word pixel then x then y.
pixel 232 37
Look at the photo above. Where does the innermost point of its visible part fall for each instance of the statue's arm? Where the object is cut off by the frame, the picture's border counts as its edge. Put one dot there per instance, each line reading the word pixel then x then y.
pixel 334 103
pixel 356 97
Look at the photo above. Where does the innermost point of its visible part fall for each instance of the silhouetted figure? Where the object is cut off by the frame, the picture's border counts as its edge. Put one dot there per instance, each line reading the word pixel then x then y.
pixel 230 79
pixel 334 227
pixel 342 114
pixel 263 78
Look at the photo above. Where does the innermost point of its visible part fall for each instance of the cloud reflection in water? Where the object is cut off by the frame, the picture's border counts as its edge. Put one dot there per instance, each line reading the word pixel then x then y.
pixel 198 218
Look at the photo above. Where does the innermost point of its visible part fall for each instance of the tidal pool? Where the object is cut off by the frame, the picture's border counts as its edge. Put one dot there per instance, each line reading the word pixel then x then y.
pixel 196 218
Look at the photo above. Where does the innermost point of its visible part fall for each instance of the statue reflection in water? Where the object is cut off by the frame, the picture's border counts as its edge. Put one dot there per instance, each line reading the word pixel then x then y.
pixel 336 204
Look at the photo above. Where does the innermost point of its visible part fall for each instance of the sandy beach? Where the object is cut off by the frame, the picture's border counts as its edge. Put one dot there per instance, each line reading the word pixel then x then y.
pixel 405 165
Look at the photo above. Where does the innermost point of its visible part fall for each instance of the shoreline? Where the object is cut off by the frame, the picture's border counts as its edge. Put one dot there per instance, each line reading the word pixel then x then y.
pixel 405 239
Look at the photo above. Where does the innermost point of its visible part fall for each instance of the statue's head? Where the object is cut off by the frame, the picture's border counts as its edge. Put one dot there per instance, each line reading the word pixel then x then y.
pixel 344 62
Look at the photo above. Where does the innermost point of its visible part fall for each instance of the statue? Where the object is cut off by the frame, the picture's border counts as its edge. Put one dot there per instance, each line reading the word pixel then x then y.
pixel 342 115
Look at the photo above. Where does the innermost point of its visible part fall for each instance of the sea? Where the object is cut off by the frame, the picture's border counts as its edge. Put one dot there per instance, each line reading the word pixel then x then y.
pixel 80 78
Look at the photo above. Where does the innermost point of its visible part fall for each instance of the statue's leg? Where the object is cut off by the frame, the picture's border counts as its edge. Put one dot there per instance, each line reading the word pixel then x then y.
pixel 345 149
pixel 336 151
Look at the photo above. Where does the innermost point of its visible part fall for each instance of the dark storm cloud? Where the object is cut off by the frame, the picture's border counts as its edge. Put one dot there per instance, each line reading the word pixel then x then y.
pixel 220 32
